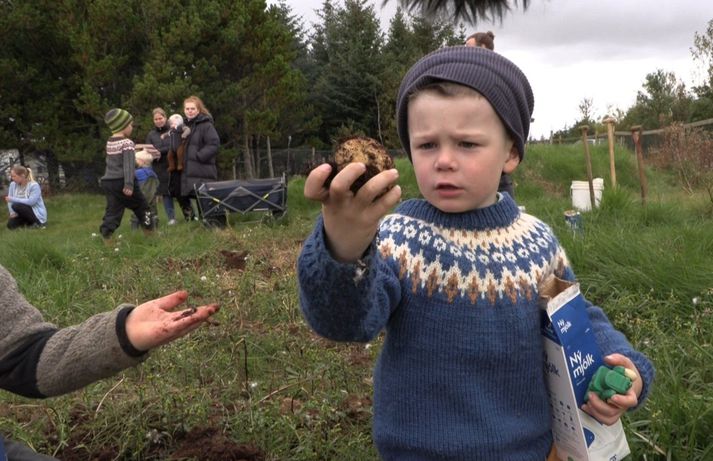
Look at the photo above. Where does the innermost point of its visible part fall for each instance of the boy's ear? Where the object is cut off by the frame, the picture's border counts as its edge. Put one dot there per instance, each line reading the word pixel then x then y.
pixel 513 160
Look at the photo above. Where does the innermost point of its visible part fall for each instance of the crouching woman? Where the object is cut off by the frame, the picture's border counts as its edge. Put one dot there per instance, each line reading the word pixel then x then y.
pixel 24 200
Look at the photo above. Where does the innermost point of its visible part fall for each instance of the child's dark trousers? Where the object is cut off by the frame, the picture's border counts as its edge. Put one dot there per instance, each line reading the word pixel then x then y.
pixel 117 202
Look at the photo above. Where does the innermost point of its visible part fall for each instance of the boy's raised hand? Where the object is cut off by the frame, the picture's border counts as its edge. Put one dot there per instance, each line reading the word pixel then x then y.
pixel 610 411
pixel 351 221
pixel 155 322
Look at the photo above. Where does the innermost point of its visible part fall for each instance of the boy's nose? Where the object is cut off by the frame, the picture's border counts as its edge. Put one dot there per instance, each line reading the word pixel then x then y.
pixel 445 159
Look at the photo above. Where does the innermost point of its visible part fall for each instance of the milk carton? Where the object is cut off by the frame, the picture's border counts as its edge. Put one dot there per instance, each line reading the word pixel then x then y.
pixel 572 356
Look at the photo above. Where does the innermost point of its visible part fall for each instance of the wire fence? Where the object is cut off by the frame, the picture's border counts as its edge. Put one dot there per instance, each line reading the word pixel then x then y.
pixel 650 139
pixel 84 176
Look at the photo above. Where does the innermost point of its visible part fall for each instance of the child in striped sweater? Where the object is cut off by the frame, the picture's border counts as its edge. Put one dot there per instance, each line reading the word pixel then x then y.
pixel 118 183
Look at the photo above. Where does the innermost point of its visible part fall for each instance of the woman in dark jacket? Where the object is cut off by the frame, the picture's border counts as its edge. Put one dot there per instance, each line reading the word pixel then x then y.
pixel 159 138
pixel 199 162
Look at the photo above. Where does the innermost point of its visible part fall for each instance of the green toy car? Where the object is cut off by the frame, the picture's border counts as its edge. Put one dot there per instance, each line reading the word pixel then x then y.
pixel 607 382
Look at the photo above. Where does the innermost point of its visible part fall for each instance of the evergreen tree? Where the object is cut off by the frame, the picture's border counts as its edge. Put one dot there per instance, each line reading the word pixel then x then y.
pixel 346 48
pixel 69 62
pixel 408 39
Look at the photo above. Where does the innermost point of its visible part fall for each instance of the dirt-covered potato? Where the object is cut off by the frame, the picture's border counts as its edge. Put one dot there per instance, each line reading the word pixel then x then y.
pixel 360 149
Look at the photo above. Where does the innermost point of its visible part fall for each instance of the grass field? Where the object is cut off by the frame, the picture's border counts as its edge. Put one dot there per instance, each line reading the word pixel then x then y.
pixel 261 385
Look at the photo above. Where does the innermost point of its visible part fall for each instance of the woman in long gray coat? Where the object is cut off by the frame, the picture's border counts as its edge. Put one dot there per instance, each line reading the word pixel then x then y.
pixel 199 162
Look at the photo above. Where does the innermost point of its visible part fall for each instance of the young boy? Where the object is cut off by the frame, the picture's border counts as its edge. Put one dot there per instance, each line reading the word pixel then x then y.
pixel 453 278
pixel 118 181
pixel 147 180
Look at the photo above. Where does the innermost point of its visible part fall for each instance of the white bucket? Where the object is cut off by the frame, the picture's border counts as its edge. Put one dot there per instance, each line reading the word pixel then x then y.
pixel 580 194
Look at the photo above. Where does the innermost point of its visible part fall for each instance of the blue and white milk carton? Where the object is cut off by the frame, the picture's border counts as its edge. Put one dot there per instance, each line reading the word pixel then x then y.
pixel 572 356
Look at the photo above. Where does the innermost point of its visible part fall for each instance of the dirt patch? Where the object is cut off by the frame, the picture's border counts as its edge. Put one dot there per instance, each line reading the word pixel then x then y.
pixel 357 407
pixel 80 454
pixel 184 264
pixel 234 260
pixel 359 355
pixel 209 444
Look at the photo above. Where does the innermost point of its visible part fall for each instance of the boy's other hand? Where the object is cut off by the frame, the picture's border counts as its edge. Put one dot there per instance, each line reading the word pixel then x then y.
pixel 351 221
pixel 128 191
pixel 155 323
pixel 610 411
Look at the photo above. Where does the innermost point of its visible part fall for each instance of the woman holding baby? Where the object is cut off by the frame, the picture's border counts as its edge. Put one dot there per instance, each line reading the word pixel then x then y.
pixel 159 138
pixel 189 147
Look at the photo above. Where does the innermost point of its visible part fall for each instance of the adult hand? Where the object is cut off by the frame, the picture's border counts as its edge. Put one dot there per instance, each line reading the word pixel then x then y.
pixel 7 199
pixel 351 221
pixel 128 191
pixel 610 411
pixel 155 323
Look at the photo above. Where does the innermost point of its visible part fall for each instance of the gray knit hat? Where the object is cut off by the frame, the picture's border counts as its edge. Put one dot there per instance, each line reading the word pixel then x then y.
pixel 500 81
pixel 117 119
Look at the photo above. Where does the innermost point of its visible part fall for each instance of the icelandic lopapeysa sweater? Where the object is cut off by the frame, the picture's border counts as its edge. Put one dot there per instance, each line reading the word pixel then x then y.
pixel 120 160
pixel 460 375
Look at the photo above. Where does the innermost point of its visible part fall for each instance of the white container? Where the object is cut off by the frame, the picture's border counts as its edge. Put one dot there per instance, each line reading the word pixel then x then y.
pixel 572 356
pixel 580 194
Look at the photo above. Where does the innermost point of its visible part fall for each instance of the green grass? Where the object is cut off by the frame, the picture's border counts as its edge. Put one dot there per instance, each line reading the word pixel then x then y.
pixel 261 378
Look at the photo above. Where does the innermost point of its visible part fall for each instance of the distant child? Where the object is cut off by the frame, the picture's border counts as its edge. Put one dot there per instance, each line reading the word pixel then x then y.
pixel 481 39
pixel 452 278
pixel 148 184
pixel 118 181
pixel 178 134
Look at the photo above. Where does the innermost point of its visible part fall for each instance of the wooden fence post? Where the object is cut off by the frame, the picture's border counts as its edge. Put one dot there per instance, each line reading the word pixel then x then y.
pixel 588 160
pixel 270 168
pixel 636 137
pixel 610 137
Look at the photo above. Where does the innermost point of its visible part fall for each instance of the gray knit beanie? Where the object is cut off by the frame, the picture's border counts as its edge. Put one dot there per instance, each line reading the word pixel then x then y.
pixel 500 81
pixel 117 119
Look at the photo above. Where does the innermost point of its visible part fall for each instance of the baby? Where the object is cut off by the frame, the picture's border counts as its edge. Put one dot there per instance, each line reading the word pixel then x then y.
pixel 175 121
pixel 178 145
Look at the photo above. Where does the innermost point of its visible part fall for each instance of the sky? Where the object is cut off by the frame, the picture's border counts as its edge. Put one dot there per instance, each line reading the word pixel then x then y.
pixel 571 49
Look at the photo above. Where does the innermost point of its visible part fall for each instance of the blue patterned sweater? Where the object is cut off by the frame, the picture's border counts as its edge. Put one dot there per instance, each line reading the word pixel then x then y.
pixel 460 375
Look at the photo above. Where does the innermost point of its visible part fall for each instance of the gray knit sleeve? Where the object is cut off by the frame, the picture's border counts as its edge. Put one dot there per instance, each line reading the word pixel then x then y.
pixel 38 360
pixel 78 355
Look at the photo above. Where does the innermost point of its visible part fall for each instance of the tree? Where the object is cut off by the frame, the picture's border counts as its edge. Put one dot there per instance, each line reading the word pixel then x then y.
pixel 702 51
pixel 663 100
pixel 69 62
pixel 65 65
pixel 586 109
pixel 408 39
pixel 347 49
